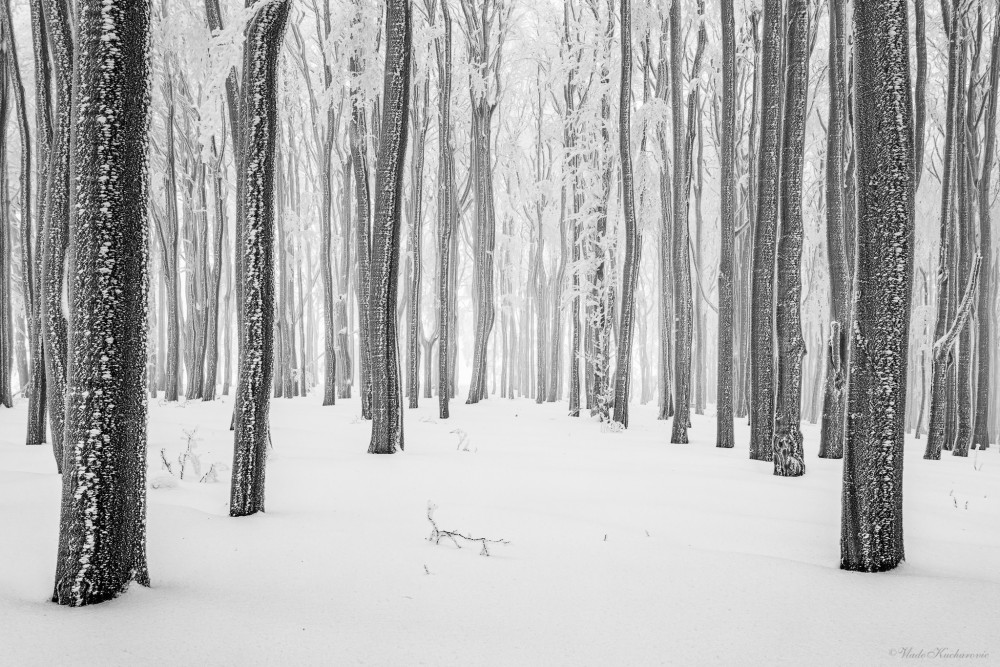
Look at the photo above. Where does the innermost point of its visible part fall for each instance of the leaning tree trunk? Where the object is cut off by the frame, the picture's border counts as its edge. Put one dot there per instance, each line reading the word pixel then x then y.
pixel 787 448
pixel 43 130
pixel 102 528
pixel 262 48
pixel 980 432
pixel 727 205
pixel 764 232
pixel 55 227
pixel 387 413
pixel 831 444
pixel 630 273
pixel 871 538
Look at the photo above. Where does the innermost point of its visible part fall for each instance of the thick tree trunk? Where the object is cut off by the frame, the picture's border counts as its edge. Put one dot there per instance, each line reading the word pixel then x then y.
pixel 264 35
pixel 102 529
pixel 387 414
pixel 787 448
pixel 762 380
pixel 872 522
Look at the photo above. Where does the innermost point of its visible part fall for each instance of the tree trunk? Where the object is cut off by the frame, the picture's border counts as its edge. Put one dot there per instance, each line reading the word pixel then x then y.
pixel 762 380
pixel 215 280
pixel 980 432
pixel 633 243
pixel 264 35
pixel 55 227
pixel 872 522
pixel 102 528
pixel 727 230
pixel 421 124
pixel 787 448
pixel 387 415
pixel 831 444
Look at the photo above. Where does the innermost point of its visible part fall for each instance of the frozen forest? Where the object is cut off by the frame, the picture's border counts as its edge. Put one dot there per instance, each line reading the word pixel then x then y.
pixel 499 332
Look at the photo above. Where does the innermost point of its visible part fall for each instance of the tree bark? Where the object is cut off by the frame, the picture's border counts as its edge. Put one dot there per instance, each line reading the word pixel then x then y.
pixel 872 521
pixel 762 380
pixel 264 35
pixel 727 229
pixel 102 530
pixel 787 448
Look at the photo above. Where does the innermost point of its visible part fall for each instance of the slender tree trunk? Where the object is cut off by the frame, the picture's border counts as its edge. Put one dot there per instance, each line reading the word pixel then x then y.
pixel 421 125
pixel 872 523
pixel 55 227
pixel 787 448
pixel 387 415
pixel 835 393
pixel 102 528
pixel 633 242
pixel 727 205
pixel 980 432
pixel 264 35
pixel 762 380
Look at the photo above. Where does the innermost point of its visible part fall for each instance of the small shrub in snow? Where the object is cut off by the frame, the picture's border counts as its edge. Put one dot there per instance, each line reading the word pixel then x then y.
pixel 612 427
pixel 162 481
pixel 463 441
pixel 454 536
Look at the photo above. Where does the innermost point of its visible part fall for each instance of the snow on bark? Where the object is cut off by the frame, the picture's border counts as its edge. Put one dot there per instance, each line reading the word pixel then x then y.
pixel 872 519
pixel 788 457
pixel 765 227
pixel 835 392
pixel 55 226
pixel 727 231
pixel 102 536
pixel 387 414
pixel 262 49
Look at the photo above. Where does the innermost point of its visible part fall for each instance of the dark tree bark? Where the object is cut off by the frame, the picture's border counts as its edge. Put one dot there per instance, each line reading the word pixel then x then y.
pixel 6 256
pixel 787 448
pixel 920 91
pixel 980 432
pixel 55 227
pixel 387 414
pixel 727 224
pixel 102 530
pixel 762 381
pixel 633 243
pixel 872 522
pixel 835 394
pixel 264 35
pixel 33 259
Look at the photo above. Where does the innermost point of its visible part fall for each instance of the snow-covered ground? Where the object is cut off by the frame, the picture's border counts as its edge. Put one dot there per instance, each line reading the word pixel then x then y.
pixel 624 550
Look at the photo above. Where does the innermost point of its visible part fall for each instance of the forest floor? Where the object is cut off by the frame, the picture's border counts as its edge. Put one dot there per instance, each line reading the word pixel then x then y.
pixel 623 550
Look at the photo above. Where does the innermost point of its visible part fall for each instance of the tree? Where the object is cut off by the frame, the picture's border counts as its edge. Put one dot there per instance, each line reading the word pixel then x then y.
pixel 6 256
pixel 872 520
pixel 727 230
pixel 264 34
pixel 788 457
pixel 102 530
pixel 387 414
pixel 633 242
pixel 835 394
pixel 764 231
pixel 55 227
pixel 980 432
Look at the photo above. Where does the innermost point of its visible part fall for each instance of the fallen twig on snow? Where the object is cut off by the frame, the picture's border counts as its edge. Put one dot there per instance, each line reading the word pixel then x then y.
pixel 437 534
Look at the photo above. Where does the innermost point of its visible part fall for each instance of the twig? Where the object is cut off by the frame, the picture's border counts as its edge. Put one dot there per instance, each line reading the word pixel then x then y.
pixel 437 534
